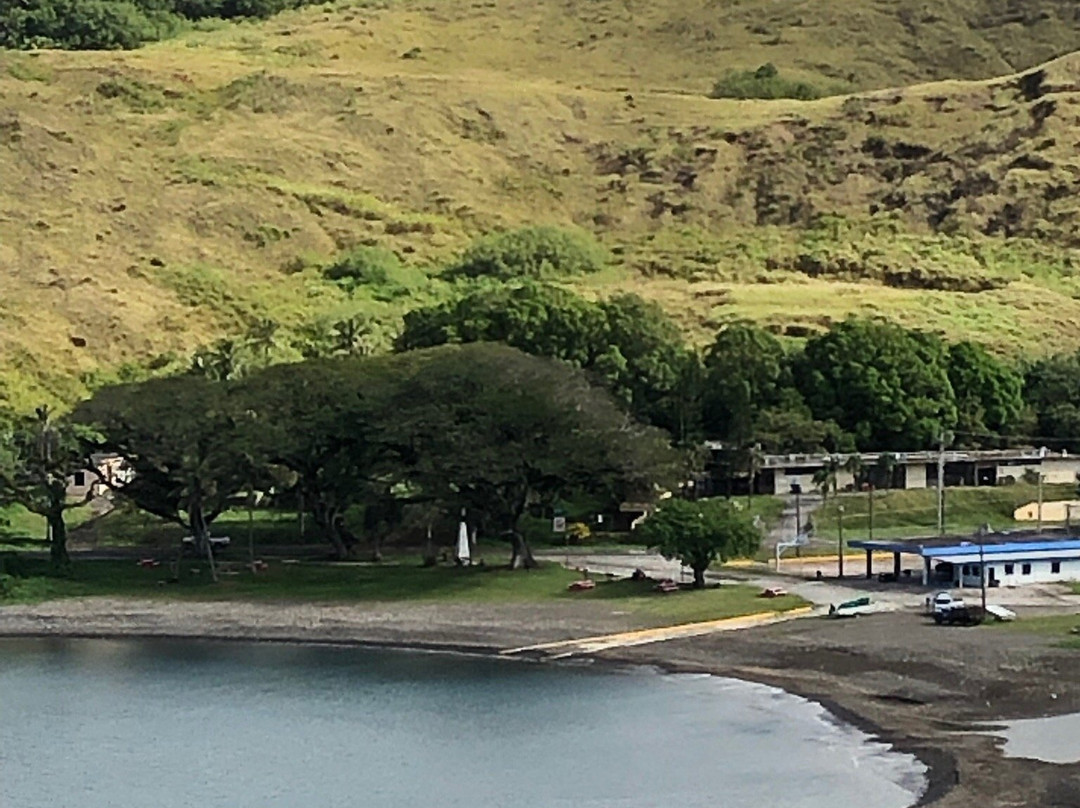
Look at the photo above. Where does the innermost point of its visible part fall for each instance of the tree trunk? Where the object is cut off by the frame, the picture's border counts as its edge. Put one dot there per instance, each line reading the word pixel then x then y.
pixel 428 559
pixel 376 547
pixel 327 519
pixel 521 556
pixel 345 538
pixel 200 531
pixel 699 577
pixel 58 552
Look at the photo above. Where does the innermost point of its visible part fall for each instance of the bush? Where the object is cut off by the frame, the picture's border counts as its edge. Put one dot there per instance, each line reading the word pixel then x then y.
pixel 115 24
pixel 531 252
pixel 765 82
pixel 376 269
pixel 12 566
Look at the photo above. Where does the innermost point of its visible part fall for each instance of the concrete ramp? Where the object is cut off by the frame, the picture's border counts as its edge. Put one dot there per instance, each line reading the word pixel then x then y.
pixel 591 645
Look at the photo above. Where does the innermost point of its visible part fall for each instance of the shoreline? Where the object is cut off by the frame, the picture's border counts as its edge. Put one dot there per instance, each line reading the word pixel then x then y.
pixel 936 761
pixel 903 697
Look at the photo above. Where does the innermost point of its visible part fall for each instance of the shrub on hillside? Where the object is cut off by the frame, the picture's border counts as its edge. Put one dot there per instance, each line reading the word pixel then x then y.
pixel 765 82
pixel 115 24
pixel 374 268
pixel 531 252
pixel 81 24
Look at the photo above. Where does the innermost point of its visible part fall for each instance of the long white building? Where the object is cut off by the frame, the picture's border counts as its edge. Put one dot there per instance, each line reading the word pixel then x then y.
pixel 778 473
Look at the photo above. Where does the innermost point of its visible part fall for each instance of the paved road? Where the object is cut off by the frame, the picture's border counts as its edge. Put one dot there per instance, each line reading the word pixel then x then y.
pixel 788 526
pixel 1046 598
pixel 820 593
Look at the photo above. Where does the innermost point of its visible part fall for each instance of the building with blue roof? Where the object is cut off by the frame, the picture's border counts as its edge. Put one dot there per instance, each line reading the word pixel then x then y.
pixel 1001 559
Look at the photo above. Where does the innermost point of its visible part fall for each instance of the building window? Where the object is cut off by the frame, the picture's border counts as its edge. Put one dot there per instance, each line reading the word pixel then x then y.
pixel 80 479
pixel 1055 566
pixel 1025 569
pixel 1009 569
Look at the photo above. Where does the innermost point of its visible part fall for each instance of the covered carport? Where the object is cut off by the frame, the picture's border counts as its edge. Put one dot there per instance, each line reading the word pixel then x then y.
pixel 898 549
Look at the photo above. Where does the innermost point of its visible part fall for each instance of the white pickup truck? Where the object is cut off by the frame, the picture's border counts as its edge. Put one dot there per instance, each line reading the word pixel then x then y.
pixel 943 602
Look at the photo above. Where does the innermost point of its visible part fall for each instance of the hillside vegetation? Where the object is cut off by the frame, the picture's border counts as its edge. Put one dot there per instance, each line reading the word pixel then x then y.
pixel 156 199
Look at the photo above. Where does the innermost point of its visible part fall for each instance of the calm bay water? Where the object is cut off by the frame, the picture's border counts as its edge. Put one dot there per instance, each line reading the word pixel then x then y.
pixel 93 723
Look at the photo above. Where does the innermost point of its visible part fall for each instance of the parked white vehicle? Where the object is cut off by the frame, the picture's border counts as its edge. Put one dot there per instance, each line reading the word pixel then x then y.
pixel 215 541
pixel 942 602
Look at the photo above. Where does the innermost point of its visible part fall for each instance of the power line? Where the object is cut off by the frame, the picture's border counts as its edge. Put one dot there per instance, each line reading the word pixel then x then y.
pixel 1008 438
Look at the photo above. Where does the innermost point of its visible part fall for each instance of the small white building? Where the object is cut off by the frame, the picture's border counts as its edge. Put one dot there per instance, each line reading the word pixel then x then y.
pixel 1004 559
pixel 106 471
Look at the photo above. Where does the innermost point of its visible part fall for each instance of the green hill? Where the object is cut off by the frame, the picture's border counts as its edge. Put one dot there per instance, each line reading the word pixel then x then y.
pixel 153 200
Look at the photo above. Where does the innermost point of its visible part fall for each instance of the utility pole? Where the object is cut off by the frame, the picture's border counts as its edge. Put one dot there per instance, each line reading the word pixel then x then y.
pixel 941 485
pixel 1039 525
pixel 982 572
pixel 840 540
pixel 796 489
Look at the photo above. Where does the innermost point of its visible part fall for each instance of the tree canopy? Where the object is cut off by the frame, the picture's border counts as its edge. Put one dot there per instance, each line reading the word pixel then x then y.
pixel 531 252
pixel 629 343
pixel 114 24
pixel 1052 390
pixel 700 532
pixel 887 386
pixel 501 432
pixel 180 437
pixel 38 454
pixel 989 394
pixel 481 426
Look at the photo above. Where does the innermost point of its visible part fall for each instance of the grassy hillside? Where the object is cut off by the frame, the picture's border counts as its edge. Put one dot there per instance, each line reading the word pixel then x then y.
pixel 903 514
pixel 153 200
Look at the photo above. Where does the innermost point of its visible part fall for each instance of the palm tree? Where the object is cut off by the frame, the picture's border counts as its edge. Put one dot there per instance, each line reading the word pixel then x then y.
pixel 886 466
pixel 826 476
pixel 351 336
pixel 754 458
pixel 221 361
pixel 262 337
pixel 854 466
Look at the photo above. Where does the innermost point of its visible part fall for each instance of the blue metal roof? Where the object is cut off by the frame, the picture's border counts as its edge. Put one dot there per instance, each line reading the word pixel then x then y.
pixel 968 546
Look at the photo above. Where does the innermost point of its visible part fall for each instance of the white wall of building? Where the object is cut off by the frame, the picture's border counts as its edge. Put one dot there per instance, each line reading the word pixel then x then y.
pixel 1019 572
pixel 915 475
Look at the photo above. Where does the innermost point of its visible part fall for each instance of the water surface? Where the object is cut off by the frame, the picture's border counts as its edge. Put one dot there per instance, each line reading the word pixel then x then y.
pixel 1055 739
pixel 99 724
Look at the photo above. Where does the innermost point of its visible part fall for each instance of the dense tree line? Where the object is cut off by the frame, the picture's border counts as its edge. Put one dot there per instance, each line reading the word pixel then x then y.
pixel 862 384
pixel 115 24
pixel 482 427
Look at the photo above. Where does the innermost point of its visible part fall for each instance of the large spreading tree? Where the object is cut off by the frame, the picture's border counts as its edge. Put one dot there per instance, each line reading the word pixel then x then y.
pixel 324 422
pixel 38 456
pixel 181 438
pixel 502 433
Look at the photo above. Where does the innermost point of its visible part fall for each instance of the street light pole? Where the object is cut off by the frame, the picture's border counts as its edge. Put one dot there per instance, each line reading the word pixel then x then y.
pixel 840 540
pixel 796 489
pixel 982 574
pixel 871 514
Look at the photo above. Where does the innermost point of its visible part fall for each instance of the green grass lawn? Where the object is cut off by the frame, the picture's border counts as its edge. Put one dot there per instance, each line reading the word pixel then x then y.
pixel 22 530
pixel 408 582
pixel 903 514
pixel 1057 627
